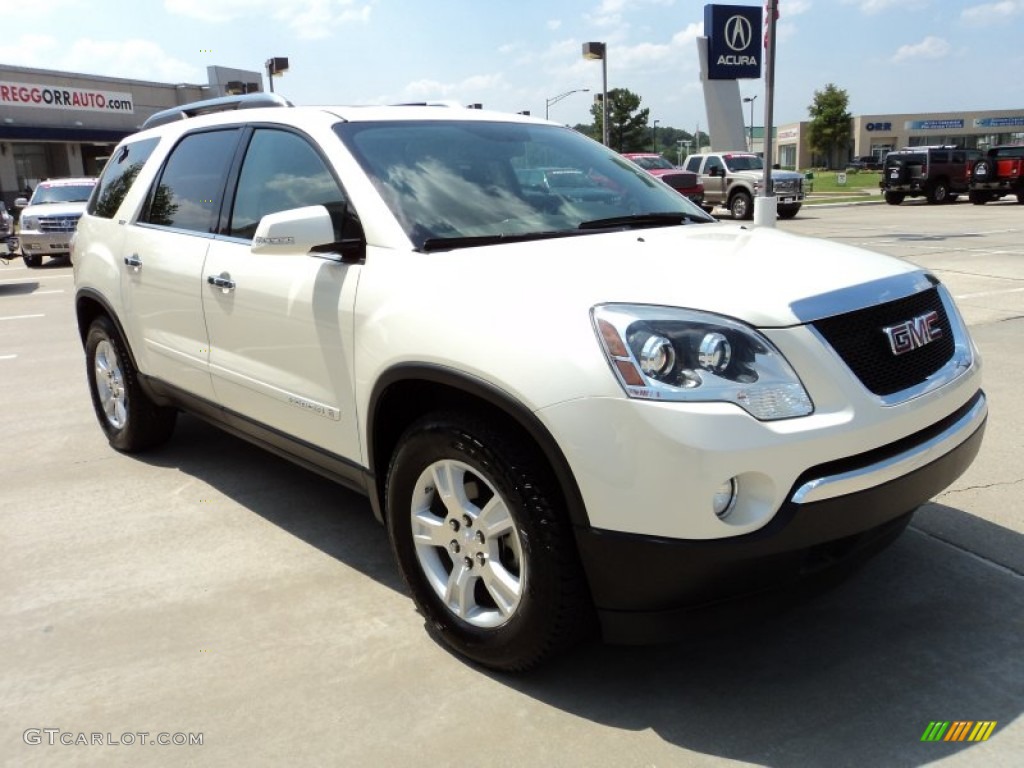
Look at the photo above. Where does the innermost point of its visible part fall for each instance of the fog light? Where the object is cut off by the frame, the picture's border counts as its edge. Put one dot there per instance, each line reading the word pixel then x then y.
pixel 725 498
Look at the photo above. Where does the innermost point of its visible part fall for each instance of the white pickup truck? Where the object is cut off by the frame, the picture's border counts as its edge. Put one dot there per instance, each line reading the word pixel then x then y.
pixel 734 179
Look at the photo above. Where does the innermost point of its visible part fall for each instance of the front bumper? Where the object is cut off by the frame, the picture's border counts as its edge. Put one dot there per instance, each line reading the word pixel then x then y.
pixel 45 243
pixel 648 588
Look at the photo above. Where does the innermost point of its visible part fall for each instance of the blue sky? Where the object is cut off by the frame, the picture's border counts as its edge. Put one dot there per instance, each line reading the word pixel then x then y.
pixel 890 55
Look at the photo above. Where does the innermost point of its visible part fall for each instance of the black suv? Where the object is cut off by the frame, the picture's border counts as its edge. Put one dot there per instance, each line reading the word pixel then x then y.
pixel 937 173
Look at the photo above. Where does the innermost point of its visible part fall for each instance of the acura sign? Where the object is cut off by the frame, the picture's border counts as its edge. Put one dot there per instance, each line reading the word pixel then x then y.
pixel 734 41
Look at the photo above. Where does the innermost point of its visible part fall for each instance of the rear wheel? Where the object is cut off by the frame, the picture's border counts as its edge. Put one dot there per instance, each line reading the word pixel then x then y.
pixel 741 206
pixel 130 420
pixel 939 192
pixel 894 198
pixel 978 197
pixel 483 541
pixel 1020 198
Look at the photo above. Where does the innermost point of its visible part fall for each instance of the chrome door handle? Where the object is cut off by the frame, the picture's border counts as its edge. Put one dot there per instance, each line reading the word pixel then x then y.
pixel 133 261
pixel 222 281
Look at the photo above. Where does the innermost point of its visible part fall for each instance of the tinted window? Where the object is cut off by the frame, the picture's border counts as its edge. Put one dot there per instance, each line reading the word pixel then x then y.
pixel 188 193
pixel 693 164
pixel 118 177
pixel 940 157
pixel 959 157
pixel 712 163
pixel 282 171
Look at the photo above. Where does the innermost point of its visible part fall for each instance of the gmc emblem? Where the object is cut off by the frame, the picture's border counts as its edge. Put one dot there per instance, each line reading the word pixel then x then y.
pixel 914 333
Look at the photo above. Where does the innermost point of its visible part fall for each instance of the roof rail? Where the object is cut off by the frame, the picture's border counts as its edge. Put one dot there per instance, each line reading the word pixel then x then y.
pixel 209 106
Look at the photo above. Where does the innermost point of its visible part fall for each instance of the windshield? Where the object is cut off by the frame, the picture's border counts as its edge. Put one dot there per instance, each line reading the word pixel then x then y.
pixel 744 163
pixel 63 193
pixel 654 163
pixel 446 180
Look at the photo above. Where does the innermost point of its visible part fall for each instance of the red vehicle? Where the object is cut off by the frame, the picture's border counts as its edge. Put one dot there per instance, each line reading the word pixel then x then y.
pixel 685 183
pixel 1000 172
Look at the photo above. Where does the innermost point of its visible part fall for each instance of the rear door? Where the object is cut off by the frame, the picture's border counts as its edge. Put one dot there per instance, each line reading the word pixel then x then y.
pixel 163 255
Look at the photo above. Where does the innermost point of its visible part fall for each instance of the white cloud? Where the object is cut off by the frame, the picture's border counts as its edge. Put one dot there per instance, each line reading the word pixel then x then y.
pixel 135 58
pixel 992 13
pixel 795 7
pixel 308 19
pixel 554 24
pixel 877 6
pixel 929 48
pixel 465 90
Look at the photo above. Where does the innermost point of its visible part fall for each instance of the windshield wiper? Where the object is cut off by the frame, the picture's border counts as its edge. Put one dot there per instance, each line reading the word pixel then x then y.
pixel 473 241
pixel 639 220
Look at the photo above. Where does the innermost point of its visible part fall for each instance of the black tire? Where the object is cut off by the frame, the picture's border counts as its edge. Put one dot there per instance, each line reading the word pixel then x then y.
pixel 894 198
pixel 1020 198
pixel 978 197
pixel 939 192
pixel 707 208
pixel 789 211
pixel 131 421
pixel 530 565
pixel 32 259
pixel 741 205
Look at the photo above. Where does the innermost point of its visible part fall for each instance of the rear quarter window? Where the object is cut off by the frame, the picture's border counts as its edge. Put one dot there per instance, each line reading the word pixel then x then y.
pixel 118 177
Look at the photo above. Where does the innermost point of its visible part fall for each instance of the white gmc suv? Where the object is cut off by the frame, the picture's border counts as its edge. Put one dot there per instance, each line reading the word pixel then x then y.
pixel 579 408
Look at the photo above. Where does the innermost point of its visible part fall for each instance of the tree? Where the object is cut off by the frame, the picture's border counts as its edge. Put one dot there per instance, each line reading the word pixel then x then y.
pixel 829 129
pixel 628 132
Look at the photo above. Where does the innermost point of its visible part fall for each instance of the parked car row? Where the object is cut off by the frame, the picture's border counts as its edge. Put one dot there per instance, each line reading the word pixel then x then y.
pixel 941 173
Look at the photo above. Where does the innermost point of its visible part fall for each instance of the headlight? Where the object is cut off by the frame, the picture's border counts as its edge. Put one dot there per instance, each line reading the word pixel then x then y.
pixel 30 222
pixel 662 353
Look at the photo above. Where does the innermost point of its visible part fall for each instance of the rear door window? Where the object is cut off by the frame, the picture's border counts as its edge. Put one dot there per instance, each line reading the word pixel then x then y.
pixel 188 193
pixel 118 177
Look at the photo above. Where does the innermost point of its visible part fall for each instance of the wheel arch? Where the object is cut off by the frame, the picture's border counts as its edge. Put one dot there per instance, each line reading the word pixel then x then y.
pixel 409 391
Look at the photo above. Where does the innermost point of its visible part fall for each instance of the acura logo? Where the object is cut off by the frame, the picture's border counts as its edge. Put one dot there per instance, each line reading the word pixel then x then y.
pixel 738 33
pixel 914 333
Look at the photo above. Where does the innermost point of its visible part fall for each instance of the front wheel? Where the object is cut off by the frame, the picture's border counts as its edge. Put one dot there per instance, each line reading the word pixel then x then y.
pixel 741 206
pixel 789 211
pixel 482 540
pixel 130 420
pixel 31 259
pixel 978 198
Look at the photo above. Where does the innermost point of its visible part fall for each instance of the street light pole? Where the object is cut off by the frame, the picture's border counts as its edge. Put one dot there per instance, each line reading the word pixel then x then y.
pixel 654 135
pixel 751 99
pixel 548 103
pixel 594 51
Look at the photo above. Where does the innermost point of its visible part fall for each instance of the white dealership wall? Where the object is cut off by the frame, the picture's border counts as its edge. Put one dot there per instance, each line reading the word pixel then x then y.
pixel 56 124
pixel 877 134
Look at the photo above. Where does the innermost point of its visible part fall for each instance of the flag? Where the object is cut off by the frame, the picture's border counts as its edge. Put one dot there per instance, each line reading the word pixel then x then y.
pixel 768 18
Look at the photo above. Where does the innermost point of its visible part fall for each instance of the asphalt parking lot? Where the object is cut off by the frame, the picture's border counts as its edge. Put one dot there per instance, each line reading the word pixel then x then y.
pixel 210 588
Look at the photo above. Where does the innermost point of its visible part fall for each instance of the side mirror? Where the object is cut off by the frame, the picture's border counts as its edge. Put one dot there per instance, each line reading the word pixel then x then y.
pixel 300 231
pixel 296 231
pixel 21 202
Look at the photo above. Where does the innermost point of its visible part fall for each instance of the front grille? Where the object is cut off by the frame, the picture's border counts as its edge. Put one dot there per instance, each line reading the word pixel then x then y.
pixel 862 344
pixel 784 186
pixel 58 223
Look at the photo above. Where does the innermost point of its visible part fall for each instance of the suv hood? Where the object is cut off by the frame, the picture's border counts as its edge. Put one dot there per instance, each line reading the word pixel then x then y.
pixel 55 209
pixel 760 276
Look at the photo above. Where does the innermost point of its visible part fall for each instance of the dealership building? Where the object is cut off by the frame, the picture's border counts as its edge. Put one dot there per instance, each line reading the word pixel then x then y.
pixel 876 135
pixel 55 124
